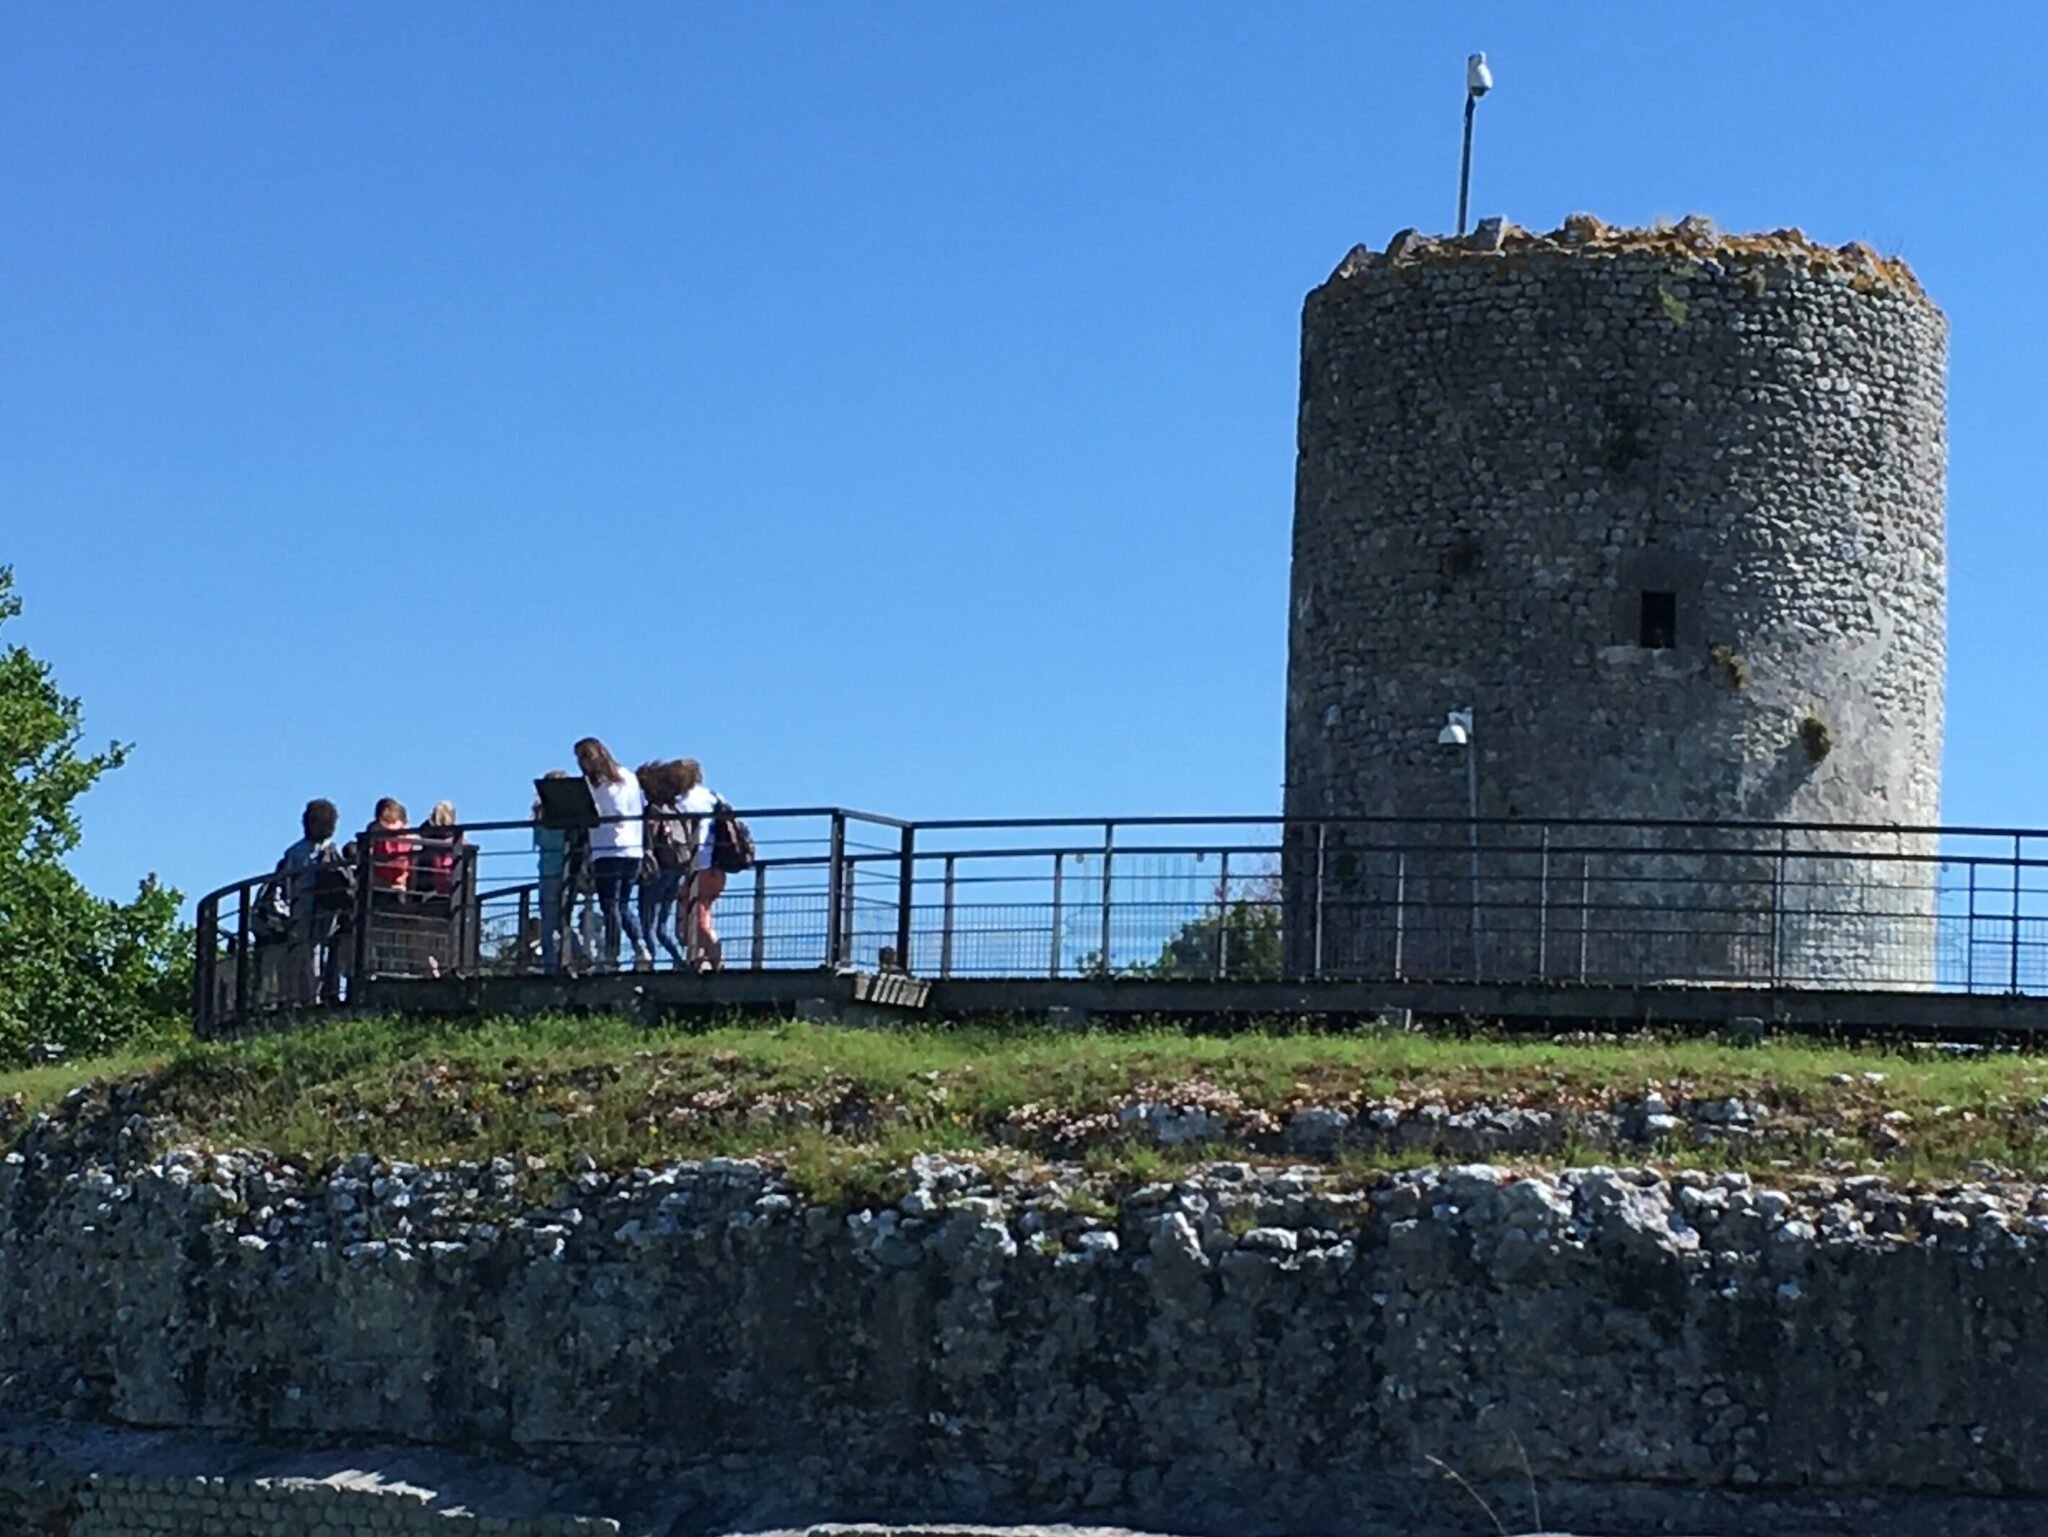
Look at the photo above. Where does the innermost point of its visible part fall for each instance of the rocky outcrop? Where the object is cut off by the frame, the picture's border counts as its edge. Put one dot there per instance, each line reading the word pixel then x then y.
pixel 1244 1349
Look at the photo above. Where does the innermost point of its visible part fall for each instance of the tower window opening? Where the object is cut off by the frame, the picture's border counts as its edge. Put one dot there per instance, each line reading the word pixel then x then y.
pixel 1657 628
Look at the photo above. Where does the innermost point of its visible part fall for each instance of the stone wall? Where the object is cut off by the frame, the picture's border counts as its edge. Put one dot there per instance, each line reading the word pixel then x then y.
pixel 1241 1351
pixel 58 1480
pixel 1507 442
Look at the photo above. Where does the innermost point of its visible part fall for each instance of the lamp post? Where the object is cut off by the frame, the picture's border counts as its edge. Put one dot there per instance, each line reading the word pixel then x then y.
pixel 1457 733
pixel 1478 81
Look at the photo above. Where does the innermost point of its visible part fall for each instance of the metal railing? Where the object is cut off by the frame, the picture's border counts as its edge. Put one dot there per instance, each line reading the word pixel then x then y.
pixel 1566 903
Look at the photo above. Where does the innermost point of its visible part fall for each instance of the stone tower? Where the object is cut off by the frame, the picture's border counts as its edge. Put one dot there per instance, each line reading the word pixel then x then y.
pixel 1665 508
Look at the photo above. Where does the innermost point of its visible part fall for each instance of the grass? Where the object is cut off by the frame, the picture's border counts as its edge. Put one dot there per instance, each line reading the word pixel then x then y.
pixel 846 1108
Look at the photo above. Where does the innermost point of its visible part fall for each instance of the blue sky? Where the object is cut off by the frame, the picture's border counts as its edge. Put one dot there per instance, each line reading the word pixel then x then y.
pixel 887 405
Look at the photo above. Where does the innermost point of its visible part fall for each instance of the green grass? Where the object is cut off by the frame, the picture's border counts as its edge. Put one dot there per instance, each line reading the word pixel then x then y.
pixel 845 1108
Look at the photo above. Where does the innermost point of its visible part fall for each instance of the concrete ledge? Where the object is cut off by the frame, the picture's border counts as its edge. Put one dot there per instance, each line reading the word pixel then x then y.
pixel 859 997
pixel 1946 1015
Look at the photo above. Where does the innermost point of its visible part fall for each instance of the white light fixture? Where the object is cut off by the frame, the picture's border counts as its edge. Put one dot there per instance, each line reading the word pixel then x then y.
pixel 1457 732
pixel 1478 81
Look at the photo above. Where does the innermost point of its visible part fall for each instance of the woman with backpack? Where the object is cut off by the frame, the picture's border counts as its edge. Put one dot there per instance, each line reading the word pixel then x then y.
pixel 292 935
pixel 670 847
pixel 717 836
pixel 616 846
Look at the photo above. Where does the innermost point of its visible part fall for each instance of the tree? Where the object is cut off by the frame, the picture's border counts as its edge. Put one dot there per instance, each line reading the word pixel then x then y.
pixel 1235 937
pixel 75 969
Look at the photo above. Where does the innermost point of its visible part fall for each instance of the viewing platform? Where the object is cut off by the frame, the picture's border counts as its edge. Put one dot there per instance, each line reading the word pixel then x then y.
pixel 1595 924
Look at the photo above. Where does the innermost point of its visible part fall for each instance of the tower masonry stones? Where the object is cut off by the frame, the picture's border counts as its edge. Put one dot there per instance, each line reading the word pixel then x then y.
pixel 1665 508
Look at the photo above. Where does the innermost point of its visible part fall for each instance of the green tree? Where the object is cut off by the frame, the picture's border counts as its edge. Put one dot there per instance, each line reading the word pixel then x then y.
pixel 1241 931
pixel 75 969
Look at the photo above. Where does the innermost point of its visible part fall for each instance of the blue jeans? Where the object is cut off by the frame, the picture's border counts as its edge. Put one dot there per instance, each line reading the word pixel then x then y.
pixel 614 878
pixel 550 922
pixel 658 912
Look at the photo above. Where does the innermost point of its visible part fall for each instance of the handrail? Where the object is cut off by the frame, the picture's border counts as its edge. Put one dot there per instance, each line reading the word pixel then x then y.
pixel 1286 822
pixel 1305 819
pixel 1382 897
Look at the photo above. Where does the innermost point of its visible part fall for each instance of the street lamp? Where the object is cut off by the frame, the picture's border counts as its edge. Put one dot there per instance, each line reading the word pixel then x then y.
pixel 1478 81
pixel 1457 732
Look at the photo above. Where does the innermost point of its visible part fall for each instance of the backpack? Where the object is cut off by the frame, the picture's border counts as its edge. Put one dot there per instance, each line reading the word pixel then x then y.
pixel 334 883
pixel 668 838
pixel 271 917
pixel 732 846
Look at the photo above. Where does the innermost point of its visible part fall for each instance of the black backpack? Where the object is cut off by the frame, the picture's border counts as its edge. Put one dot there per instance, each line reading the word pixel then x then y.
pixel 732 846
pixel 668 839
pixel 334 883
pixel 271 915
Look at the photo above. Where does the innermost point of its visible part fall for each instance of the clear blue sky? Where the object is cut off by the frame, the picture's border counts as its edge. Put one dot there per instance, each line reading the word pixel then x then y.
pixel 888 405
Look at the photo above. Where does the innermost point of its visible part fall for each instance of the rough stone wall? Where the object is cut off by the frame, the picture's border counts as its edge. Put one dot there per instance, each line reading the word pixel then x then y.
pixel 1241 1351
pixel 1506 441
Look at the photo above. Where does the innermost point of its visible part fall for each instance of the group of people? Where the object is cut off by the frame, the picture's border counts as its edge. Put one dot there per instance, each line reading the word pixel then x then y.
pixel 647 870
pixel 655 863
pixel 309 903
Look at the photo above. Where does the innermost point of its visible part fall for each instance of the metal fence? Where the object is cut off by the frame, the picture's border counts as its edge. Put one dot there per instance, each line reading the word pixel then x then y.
pixel 1233 898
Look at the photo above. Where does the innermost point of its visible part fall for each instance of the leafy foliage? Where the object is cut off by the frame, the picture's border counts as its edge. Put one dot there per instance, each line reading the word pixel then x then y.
pixel 1236 936
pixel 1244 938
pixel 75 969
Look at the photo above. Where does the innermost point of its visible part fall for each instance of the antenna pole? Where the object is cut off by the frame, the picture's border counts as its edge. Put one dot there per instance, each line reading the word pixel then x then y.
pixel 1465 164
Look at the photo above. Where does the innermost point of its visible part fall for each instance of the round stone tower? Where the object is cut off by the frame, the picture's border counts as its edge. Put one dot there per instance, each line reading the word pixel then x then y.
pixel 1664 508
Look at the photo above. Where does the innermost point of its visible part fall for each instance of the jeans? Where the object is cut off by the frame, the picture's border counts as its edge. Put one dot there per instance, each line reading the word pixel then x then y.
pixel 550 923
pixel 315 967
pixel 657 912
pixel 614 878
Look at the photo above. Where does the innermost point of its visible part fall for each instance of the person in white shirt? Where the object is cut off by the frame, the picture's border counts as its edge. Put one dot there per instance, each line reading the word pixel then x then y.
pixel 706 879
pixel 616 844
